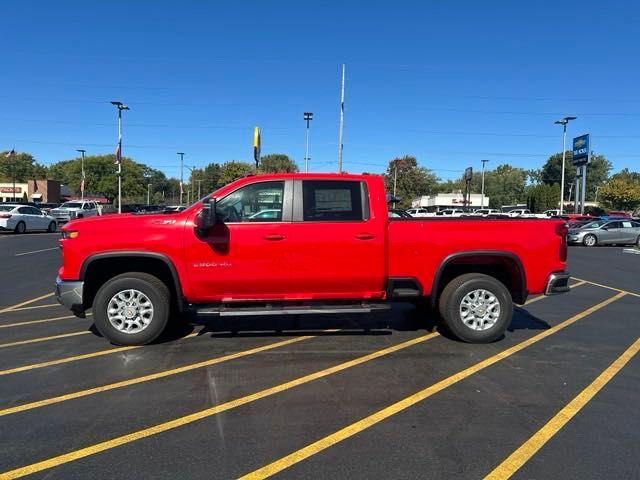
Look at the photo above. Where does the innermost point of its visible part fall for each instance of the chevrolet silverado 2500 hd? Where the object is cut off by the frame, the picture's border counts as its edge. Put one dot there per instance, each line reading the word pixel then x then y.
pixel 304 243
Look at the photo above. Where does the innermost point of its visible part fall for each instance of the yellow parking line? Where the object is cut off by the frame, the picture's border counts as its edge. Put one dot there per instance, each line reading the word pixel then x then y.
pixel 150 377
pixel 181 421
pixel 540 297
pixel 43 339
pixel 373 419
pixel 48 305
pixel 527 450
pixel 26 302
pixel 609 287
pixel 31 322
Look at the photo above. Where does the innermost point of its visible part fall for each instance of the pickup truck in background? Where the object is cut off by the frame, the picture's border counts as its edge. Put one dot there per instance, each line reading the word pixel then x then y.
pixel 75 209
pixel 327 245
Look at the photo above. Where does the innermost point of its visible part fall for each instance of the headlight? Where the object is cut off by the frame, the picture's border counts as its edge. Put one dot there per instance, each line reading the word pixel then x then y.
pixel 66 234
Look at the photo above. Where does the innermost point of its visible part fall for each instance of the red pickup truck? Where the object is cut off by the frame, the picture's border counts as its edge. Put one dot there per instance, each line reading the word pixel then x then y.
pixel 304 243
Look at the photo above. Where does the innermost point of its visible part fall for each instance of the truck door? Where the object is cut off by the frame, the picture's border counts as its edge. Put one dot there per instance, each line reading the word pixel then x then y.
pixel 244 256
pixel 335 247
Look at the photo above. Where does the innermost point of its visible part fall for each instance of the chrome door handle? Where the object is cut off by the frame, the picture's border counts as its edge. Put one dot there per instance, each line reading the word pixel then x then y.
pixel 274 237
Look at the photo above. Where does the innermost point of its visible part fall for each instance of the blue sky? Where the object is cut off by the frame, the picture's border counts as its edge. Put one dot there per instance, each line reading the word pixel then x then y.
pixel 449 82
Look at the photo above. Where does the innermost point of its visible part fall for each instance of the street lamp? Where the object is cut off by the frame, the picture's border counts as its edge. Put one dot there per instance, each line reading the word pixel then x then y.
pixel 308 116
pixel 148 193
pixel 181 174
pixel 82 177
pixel 482 197
pixel 563 122
pixel 120 106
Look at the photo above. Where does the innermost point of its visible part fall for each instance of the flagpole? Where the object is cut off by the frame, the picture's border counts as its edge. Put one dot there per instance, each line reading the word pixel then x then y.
pixel 341 122
pixel 120 106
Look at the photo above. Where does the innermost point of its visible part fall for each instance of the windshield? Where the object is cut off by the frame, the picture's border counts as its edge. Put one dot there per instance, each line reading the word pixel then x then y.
pixel 71 205
pixel 595 224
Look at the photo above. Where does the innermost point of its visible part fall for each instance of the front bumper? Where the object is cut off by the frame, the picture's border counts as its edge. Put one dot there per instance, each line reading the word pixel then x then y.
pixel 69 294
pixel 558 283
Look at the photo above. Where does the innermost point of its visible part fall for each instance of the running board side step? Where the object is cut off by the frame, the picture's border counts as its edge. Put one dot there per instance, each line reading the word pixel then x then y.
pixel 279 309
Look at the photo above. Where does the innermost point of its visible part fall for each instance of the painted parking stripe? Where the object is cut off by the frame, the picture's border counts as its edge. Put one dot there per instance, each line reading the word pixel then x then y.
pixel 43 320
pixel 609 287
pixel 540 297
pixel 26 302
pixel 36 251
pixel 44 339
pixel 48 305
pixel 373 419
pixel 528 449
pixel 194 417
pixel 153 376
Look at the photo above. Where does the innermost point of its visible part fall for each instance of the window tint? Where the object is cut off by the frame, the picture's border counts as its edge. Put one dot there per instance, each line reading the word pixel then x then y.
pixel 34 211
pixel 86 206
pixel 24 210
pixel 614 225
pixel 329 200
pixel 258 202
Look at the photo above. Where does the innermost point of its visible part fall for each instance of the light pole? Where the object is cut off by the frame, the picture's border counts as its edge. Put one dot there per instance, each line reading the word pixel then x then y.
pixel 395 181
pixel 308 116
pixel 148 193
pixel 82 177
pixel 482 197
pixel 181 174
pixel 341 130
pixel 120 106
pixel 199 188
pixel 12 154
pixel 563 122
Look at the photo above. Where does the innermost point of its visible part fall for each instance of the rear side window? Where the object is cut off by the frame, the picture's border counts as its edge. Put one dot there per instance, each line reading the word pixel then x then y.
pixel 332 201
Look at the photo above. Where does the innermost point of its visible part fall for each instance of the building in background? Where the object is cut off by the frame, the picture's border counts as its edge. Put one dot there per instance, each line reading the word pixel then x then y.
pixel 38 191
pixel 441 201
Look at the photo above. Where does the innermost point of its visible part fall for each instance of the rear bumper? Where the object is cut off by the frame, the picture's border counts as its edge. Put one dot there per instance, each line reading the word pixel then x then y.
pixel 69 294
pixel 558 283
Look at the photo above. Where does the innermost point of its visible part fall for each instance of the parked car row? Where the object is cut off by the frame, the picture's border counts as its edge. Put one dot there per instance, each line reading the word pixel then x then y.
pixel 21 218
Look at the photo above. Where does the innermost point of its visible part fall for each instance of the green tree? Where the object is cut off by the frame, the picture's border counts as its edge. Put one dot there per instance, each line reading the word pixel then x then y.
pixel 411 180
pixel 622 191
pixel 277 163
pixel 22 165
pixel 233 170
pixel 597 172
pixel 543 197
pixel 209 178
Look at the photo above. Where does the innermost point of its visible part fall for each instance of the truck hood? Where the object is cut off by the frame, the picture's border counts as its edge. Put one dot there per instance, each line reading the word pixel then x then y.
pixel 120 223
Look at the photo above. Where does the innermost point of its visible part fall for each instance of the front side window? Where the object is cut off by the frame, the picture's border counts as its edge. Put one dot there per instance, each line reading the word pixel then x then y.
pixel 258 202
pixel 331 201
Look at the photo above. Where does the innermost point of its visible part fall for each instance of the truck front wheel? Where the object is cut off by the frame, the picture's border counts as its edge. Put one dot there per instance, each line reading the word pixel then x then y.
pixel 476 308
pixel 132 308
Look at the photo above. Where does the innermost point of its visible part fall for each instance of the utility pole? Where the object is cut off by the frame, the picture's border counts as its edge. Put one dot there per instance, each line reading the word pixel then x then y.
pixel 395 181
pixel 82 177
pixel 341 122
pixel 181 175
pixel 199 188
pixel 308 116
pixel 120 106
pixel 482 197
pixel 148 193
pixel 563 122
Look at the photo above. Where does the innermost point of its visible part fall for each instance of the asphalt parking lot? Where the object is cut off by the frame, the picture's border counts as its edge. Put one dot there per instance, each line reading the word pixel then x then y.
pixel 379 396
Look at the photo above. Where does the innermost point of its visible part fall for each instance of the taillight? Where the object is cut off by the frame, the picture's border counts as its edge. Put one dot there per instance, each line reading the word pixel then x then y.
pixel 562 230
pixel 5 215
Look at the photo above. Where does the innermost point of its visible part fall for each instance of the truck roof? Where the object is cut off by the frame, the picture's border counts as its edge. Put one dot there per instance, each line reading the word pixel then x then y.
pixel 318 175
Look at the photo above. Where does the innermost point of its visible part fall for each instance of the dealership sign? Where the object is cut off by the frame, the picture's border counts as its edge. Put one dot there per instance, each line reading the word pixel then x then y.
pixel 10 189
pixel 581 150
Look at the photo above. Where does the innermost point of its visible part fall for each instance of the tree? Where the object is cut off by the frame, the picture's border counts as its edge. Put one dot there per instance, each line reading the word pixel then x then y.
pixel 543 197
pixel 622 191
pixel 411 180
pixel 597 172
pixel 22 165
pixel 233 170
pixel 209 176
pixel 277 163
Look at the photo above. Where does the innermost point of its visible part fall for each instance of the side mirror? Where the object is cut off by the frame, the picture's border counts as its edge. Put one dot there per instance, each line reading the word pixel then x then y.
pixel 207 216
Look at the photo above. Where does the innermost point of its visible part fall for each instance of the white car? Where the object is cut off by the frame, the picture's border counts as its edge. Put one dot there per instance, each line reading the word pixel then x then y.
pixel 418 212
pixel 25 218
pixel 75 209
pixel 485 212
pixel 450 212
pixel 521 212
pixel 550 213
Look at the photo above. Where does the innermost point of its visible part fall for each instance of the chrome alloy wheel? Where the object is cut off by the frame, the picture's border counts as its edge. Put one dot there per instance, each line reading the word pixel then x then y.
pixel 479 309
pixel 130 311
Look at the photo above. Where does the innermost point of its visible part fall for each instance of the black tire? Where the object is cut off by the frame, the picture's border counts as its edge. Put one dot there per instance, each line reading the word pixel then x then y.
pixel 21 227
pixel 591 242
pixel 451 300
pixel 153 288
pixel 53 226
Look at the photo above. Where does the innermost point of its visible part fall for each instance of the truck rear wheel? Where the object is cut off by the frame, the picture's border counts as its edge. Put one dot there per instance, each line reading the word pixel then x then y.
pixel 476 308
pixel 132 308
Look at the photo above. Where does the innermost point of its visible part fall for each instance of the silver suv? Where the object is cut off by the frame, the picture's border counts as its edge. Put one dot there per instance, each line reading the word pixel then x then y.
pixel 74 209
